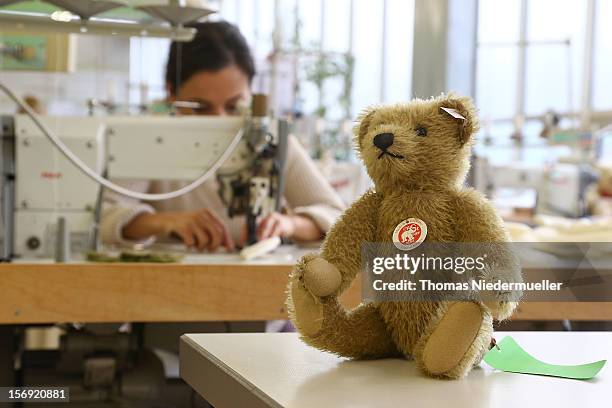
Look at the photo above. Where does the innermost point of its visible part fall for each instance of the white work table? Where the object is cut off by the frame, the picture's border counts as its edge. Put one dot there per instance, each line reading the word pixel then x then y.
pixel 278 370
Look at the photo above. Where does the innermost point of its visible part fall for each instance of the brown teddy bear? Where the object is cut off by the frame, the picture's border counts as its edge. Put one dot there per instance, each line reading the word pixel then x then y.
pixel 417 154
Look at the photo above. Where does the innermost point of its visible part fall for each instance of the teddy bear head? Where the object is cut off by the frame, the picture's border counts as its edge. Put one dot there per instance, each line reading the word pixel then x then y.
pixel 420 145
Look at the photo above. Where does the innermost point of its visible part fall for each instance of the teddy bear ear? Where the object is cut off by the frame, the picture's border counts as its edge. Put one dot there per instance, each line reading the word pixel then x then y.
pixel 460 109
pixel 363 124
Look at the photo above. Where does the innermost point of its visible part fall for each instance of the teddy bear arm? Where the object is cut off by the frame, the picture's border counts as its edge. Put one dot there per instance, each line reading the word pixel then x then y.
pixel 343 244
pixel 477 220
pixel 479 226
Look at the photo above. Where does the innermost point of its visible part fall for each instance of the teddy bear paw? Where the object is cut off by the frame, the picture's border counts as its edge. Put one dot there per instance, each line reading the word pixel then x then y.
pixel 320 277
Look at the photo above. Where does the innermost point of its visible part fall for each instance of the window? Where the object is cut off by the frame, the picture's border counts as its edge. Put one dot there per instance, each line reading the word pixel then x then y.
pixel 147 69
pixel 602 75
pixel 378 34
pixel 555 56
pixel 531 58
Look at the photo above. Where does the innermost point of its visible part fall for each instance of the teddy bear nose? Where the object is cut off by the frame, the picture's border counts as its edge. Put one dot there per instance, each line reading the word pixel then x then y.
pixel 383 141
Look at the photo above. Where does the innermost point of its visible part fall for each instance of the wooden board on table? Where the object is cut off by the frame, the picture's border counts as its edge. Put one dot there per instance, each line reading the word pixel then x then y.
pixel 55 293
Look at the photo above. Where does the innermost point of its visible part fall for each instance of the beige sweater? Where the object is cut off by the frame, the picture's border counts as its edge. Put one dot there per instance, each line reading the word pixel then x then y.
pixel 306 192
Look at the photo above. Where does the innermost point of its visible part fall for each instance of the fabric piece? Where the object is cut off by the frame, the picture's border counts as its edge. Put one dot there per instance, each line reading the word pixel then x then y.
pixel 509 356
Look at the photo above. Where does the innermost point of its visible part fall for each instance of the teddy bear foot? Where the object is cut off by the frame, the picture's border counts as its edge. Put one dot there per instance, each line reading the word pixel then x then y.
pixel 307 313
pixel 454 344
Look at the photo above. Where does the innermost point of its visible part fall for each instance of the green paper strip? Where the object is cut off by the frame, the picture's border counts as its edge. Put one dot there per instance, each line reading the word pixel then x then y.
pixel 511 357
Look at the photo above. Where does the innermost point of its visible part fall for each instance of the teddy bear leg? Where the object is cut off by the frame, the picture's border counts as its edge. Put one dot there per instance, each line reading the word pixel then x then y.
pixel 305 311
pixel 455 340
pixel 359 333
pixel 311 280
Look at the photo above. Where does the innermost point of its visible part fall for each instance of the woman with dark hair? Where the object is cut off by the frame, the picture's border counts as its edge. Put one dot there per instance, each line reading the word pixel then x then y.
pixel 215 70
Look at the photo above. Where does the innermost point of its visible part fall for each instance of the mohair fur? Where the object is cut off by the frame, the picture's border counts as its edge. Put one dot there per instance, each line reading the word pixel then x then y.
pixel 427 183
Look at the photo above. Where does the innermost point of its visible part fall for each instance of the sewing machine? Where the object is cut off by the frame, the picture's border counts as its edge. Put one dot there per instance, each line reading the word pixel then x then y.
pixel 557 189
pixel 48 203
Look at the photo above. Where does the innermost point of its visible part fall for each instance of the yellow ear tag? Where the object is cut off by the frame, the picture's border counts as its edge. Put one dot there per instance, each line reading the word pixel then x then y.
pixel 409 234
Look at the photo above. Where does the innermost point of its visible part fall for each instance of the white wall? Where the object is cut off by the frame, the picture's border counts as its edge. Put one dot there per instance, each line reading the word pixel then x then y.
pixel 101 71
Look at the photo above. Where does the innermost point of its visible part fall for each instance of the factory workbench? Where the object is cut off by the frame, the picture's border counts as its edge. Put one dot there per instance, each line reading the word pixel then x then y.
pixel 204 287
pixel 278 370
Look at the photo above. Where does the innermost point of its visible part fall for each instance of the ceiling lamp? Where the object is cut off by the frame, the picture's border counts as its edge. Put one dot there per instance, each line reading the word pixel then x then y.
pixel 175 12
pixel 86 8
pixel 30 23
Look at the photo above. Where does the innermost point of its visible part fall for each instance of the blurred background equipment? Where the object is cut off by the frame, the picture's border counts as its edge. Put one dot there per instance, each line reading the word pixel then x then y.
pixel 43 184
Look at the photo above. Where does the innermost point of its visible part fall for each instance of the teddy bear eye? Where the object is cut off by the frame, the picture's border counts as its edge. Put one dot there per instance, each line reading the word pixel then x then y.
pixel 421 131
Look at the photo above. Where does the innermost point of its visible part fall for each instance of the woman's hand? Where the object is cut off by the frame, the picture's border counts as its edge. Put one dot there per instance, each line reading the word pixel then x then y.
pixel 276 225
pixel 297 227
pixel 200 229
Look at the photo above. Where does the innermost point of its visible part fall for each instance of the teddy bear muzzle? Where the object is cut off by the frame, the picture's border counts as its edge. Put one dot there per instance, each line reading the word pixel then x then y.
pixel 383 141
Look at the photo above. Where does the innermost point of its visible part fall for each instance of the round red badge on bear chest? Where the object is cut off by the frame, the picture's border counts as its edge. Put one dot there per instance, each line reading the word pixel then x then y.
pixel 409 234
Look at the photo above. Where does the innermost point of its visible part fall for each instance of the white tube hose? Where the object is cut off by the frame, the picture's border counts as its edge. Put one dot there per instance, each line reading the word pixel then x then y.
pixel 109 184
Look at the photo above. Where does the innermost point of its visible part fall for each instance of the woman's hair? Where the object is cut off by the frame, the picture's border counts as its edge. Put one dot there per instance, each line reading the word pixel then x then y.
pixel 215 46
